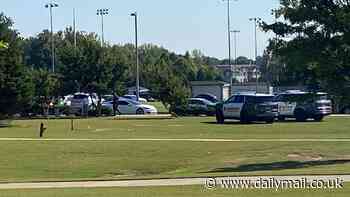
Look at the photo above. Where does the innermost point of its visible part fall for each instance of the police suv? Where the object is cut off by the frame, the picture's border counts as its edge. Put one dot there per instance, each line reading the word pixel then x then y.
pixel 247 107
pixel 303 105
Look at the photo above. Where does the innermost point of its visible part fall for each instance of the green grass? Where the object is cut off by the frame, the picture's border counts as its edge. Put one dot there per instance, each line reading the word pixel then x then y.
pixel 335 128
pixel 193 191
pixel 160 107
pixel 28 161
pixel 79 160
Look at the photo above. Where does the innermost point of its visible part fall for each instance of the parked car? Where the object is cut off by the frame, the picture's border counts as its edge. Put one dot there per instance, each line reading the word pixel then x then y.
pixel 210 97
pixel 248 107
pixel 134 98
pixel 199 106
pixel 127 106
pixel 81 103
pixel 303 105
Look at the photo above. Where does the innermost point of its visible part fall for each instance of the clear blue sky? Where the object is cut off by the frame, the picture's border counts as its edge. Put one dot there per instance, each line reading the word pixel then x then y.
pixel 178 25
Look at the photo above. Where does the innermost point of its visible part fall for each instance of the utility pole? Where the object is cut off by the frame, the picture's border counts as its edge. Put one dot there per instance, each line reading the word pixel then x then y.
pixel 256 20
pixel 102 13
pixel 137 58
pixel 50 6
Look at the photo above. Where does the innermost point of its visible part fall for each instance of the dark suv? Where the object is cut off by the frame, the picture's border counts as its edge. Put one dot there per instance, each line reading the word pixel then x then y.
pixel 303 105
pixel 247 107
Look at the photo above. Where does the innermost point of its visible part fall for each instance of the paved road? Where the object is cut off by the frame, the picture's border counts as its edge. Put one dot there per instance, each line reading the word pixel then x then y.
pixel 159 182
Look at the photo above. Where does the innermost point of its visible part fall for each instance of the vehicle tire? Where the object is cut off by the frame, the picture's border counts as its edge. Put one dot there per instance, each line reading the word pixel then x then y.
pixel 346 110
pixel 244 117
pixel 300 115
pixel 220 117
pixel 270 121
pixel 318 118
pixel 281 118
pixel 140 111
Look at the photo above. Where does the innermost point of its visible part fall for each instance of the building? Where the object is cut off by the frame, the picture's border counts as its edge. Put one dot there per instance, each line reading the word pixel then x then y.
pixel 218 88
pixel 241 73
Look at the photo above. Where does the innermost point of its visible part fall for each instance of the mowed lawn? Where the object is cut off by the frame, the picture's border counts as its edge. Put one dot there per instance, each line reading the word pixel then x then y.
pixel 181 128
pixel 192 191
pixel 97 160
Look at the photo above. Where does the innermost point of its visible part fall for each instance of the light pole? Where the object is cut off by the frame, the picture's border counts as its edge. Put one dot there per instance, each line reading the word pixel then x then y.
pixel 229 40
pixel 74 29
pixel 137 58
pixel 102 12
pixel 256 20
pixel 235 32
pixel 50 6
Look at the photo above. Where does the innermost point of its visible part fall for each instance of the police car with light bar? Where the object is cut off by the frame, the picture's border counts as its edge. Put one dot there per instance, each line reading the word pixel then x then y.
pixel 248 107
pixel 303 105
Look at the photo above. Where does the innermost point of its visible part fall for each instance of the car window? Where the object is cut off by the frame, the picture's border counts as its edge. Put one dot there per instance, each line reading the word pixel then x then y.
pixel 123 103
pixel 200 103
pixel 80 96
pixel 259 99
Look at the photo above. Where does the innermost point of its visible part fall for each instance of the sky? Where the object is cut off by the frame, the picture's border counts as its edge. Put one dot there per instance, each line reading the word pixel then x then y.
pixel 177 25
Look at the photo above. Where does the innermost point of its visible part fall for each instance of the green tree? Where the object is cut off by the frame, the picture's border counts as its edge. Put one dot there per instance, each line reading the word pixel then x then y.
pixel 314 42
pixel 15 82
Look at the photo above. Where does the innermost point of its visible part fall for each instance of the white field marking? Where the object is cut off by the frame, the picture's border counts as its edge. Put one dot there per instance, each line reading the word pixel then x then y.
pixel 180 140
pixel 156 182
pixel 175 125
pixel 101 130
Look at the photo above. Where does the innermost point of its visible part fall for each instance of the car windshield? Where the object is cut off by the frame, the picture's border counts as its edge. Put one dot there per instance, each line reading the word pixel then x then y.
pixel 80 96
pixel 133 102
pixel 259 99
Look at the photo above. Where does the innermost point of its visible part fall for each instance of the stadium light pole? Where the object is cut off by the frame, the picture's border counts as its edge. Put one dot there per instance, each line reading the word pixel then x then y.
pixel 102 13
pixel 235 32
pixel 256 20
pixel 134 14
pixel 229 40
pixel 74 29
pixel 50 6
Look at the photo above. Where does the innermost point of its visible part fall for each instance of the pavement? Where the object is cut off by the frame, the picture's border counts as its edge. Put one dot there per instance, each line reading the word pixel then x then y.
pixel 162 182
pixel 177 140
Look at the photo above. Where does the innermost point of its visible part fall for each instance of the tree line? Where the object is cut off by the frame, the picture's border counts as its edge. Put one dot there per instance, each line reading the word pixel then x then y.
pixel 26 77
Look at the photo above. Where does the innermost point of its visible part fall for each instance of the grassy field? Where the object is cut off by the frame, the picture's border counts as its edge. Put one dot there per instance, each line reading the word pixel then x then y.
pixel 200 127
pixel 92 160
pixel 195 191
pixel 42 161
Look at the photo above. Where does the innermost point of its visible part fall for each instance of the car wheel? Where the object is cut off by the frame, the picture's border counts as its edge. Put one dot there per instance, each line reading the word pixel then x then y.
pixel 270 121
pixel 318 118
pixel 140 111
pixel 346 110
pixel 220 117
pixel 244 117
pixel 281 118
pixel 300 115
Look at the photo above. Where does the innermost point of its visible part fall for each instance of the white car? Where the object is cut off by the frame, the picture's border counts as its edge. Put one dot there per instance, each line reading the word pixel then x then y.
pixel 134 98
pixel 127 106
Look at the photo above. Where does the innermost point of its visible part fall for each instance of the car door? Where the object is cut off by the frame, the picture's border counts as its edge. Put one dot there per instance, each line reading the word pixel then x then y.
pixel 233 107
pixel 123 107
pixel 286 105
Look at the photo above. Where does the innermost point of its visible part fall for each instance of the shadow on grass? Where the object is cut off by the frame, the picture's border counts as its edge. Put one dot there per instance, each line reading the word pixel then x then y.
pixel 278 166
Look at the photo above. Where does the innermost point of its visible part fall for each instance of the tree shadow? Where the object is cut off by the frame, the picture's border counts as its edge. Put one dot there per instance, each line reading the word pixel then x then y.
pixel 278 166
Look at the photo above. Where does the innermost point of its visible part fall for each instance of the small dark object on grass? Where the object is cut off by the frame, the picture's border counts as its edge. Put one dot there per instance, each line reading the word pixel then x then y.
pixel 42 130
